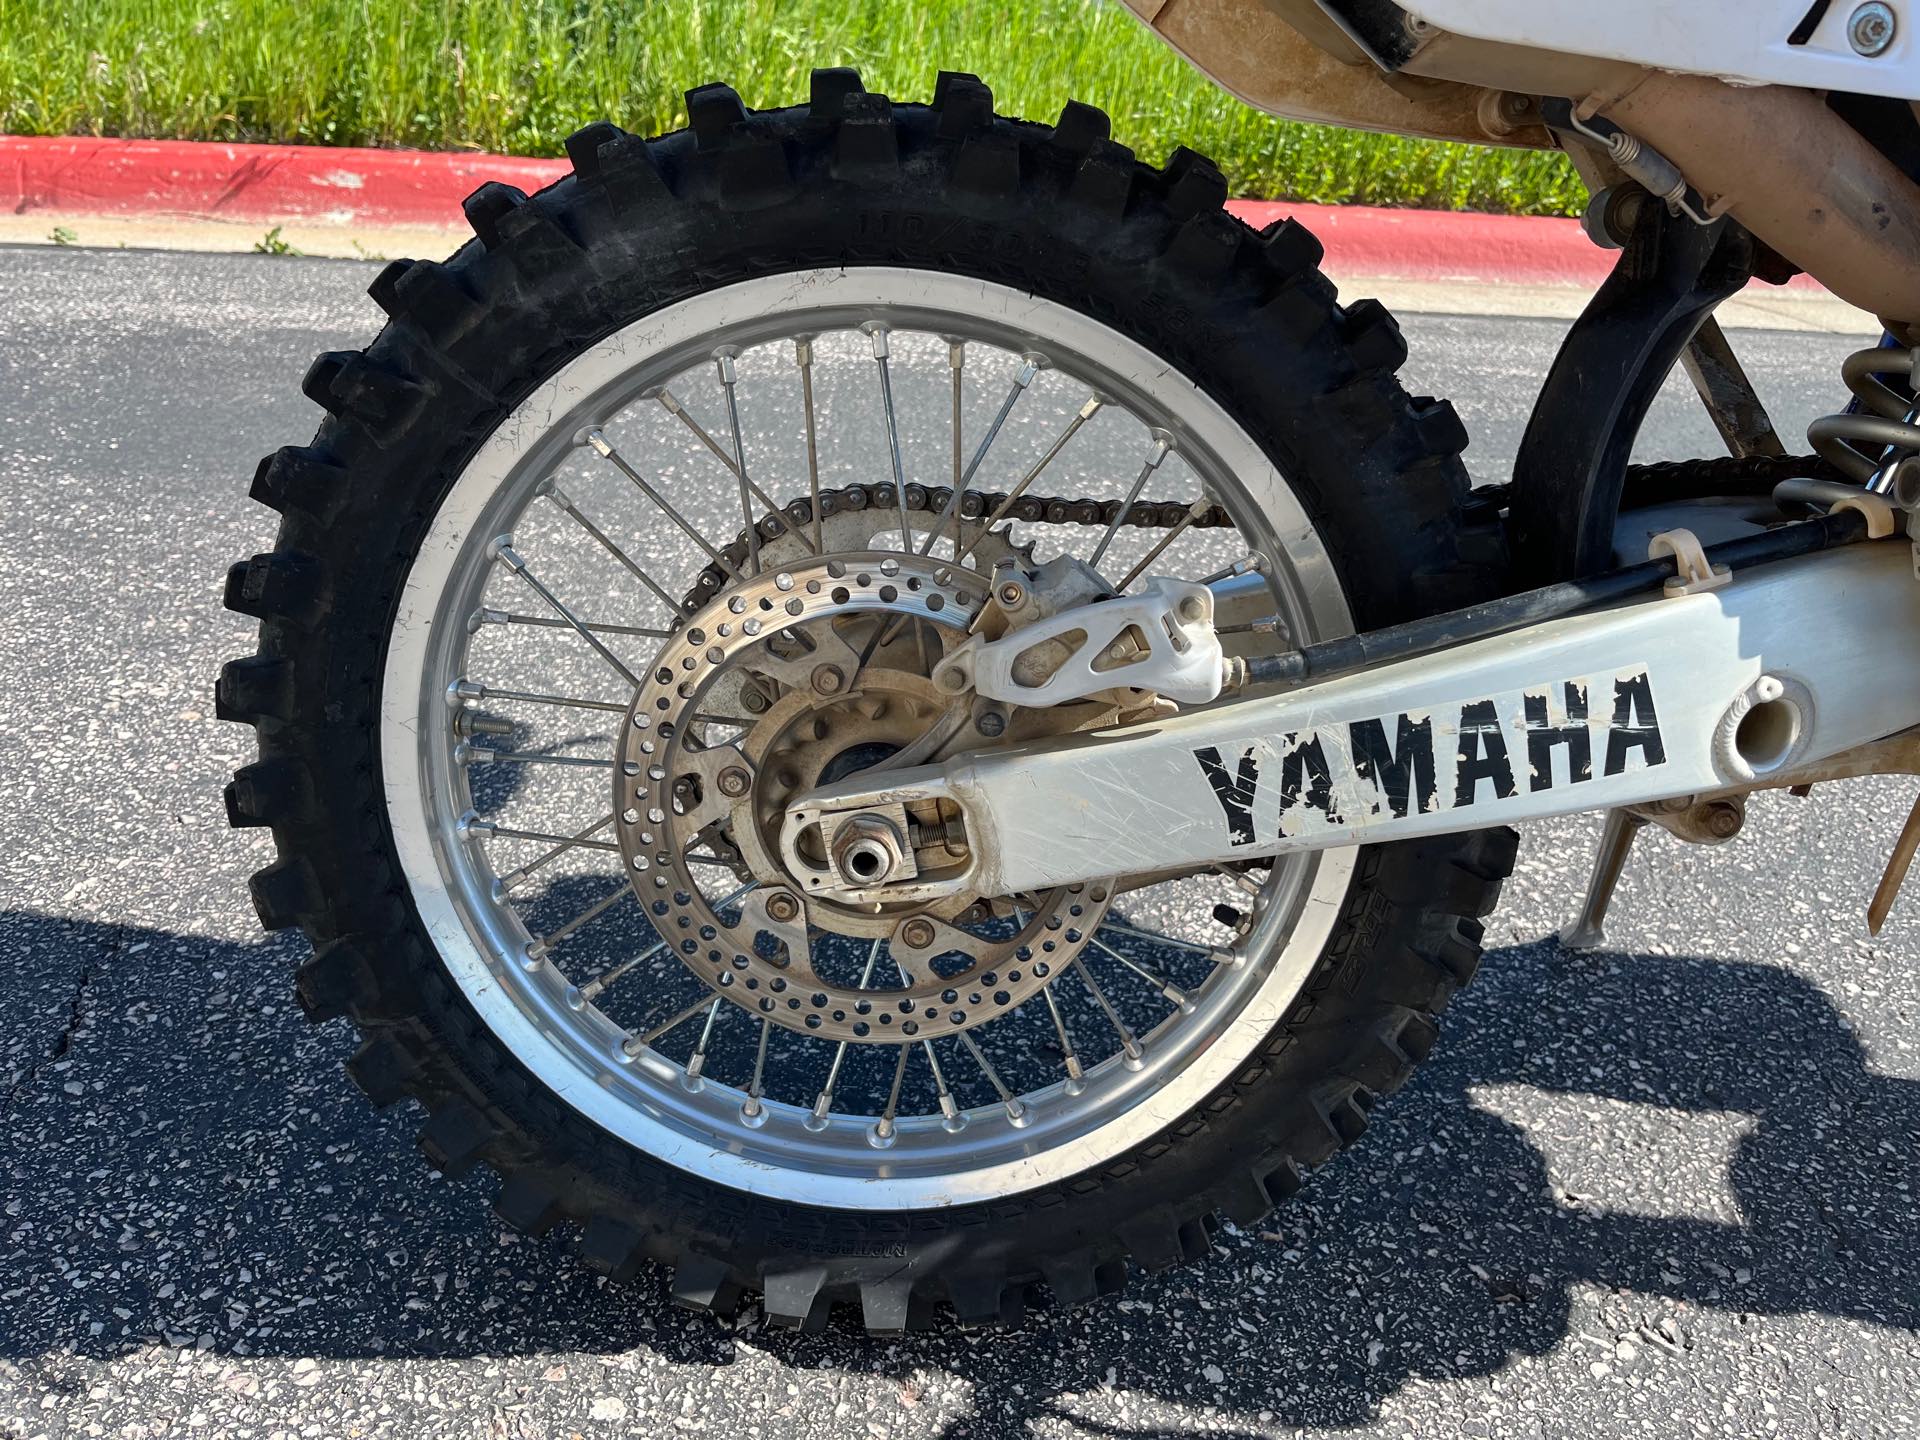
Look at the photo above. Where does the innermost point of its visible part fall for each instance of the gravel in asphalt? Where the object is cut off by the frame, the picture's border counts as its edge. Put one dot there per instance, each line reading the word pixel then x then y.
pixel 1663 1190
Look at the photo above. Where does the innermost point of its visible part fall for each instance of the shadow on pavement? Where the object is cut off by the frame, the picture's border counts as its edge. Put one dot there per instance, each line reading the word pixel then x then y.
pixel 183 1160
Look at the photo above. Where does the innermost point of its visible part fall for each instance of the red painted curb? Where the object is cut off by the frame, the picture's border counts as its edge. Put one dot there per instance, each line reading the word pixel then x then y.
pixel 277 184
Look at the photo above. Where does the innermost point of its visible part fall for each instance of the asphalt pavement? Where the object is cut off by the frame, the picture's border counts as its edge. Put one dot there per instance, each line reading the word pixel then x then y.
pixel 1663 1190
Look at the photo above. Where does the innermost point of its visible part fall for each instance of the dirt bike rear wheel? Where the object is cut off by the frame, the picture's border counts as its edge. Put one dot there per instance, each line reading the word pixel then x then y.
pixel 1044 1136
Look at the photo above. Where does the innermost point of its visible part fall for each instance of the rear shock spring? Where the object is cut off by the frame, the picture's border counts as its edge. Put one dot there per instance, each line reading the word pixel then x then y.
pixel 1878 438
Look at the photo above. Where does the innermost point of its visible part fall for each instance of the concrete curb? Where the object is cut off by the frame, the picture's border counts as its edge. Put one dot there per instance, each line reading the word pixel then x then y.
pixel 176 182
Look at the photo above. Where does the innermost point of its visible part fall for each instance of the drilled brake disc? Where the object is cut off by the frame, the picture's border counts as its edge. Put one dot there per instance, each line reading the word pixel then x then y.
pixel 673 794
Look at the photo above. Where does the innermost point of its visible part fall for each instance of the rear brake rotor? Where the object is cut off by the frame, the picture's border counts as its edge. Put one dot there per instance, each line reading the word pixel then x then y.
pixel 670 790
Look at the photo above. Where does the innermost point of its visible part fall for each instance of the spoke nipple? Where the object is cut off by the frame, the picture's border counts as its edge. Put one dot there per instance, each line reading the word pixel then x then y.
pixel 1136 1057
pixel 672 404
pixel 880 1133
pixel 1017 1115
pixel 723 362
pixel 504 552
pixel 593 436
pixel 464 689
pixel 1030 366
pixel 576 998
pixel 803 350
pixel 877 331
pixel 956 353
pixel 1092 407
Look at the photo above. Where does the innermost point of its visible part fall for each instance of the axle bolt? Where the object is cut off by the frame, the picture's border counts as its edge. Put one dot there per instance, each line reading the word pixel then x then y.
pixel 917 933
pixel 782 906
pixel 828 680
pixel 733 782
pixel 1871 28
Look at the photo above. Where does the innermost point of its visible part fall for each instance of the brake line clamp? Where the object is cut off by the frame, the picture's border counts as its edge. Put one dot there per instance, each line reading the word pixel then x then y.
pixel 1692 573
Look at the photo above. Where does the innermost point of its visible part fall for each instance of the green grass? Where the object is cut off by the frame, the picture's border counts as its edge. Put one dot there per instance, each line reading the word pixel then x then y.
pixel 519 75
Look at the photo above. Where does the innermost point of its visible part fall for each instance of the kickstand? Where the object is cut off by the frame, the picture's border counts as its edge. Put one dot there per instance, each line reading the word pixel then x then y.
pixel 1588 931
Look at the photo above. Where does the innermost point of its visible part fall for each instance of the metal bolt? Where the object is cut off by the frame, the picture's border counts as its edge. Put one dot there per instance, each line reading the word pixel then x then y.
pixel 1723 821
pixel 733 782
pixel 1191 609
pixel 1012 594
pixel 782 906
pixel 1871 28
pixel 755 702
pixel 828 680
pixel 917 933
pixel 992 724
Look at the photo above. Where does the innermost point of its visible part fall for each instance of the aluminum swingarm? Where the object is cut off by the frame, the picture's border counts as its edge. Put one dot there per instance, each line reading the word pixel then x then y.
pixel 1720 682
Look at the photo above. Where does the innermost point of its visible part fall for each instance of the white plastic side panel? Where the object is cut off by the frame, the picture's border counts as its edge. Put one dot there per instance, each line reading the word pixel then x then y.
pixel 1738 40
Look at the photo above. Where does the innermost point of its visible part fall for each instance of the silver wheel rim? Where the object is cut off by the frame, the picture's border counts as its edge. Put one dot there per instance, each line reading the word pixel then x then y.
pixel 738 1128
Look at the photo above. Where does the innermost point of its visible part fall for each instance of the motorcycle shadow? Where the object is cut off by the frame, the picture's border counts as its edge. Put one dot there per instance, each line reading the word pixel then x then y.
pixel 185 1165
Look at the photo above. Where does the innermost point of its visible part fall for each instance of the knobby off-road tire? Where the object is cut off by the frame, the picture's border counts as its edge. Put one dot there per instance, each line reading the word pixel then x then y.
pixel 847 180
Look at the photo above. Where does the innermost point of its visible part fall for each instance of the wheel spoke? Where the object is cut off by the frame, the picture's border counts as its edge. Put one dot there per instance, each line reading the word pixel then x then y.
pixel 1022 378
pixel 604 448
pixel 883 1127
pixel 1194 512
pixel 1069 1057
pixel 1121 927
pixel 636 1043
pixel 506 832
pixel 516 877
pixel 723 364
pixel 803 357
pixel 469 690
pixel 752 1107
pixel 824 1102
pixel 509 557
pixel 1127 1043
pixel 481 755
pixel 1015 1110
pixel 1168 990
pixel 560 498
pixel 597 986
pixel 679 411
pixel 550 622
pixel 1161 445
pixel 1085 413
pixel 877 334
pixel 543 945
pixel 697 1061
